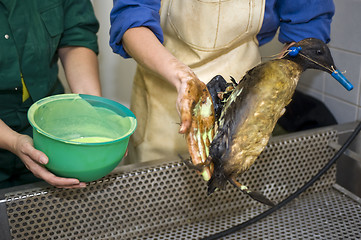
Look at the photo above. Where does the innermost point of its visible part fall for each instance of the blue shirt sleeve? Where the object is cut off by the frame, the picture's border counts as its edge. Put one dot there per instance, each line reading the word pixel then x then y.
pixel 297 20
pixel 133 13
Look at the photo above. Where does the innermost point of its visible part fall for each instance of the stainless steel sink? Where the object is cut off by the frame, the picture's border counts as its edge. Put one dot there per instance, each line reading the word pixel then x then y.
pixel 166 200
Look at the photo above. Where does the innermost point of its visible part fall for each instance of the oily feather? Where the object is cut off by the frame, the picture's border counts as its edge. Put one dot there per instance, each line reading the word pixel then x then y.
pixel 249 116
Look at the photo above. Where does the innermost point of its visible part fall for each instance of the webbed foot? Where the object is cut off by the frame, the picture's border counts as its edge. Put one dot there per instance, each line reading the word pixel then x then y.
pixel 254 195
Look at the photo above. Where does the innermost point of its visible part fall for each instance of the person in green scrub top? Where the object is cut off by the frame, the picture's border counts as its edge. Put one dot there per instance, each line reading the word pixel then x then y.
pixel 33 36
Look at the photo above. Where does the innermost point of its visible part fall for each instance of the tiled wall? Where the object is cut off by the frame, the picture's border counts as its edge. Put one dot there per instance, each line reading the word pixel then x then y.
pixel 345 46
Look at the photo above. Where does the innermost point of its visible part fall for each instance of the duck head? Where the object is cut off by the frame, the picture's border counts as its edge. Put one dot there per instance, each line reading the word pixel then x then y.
pixel 312 53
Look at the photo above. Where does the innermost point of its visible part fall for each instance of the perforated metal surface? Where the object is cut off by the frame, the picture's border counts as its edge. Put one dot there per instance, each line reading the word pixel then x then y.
pixel 322 215
pixel 170 201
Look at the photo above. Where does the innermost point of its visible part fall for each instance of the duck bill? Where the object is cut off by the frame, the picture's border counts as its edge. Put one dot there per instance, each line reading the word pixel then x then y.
pixel 342 80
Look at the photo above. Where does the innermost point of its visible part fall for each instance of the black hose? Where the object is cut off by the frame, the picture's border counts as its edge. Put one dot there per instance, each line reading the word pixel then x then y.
pixel 292 196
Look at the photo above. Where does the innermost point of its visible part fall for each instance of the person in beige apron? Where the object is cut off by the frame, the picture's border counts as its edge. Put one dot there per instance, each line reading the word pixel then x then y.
pixel 211 37
pixel 202 38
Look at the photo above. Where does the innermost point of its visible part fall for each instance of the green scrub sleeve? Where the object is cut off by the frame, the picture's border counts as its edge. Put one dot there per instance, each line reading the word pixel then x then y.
pixel 80 25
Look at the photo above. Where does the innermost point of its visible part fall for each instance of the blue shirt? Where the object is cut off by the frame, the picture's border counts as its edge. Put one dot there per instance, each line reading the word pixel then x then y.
pixel 296 20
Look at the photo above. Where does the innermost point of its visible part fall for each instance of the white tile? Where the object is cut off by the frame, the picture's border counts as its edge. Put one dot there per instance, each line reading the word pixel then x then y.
pixel 272 48
pixel 316 94
pixel 313 80
pixel 342 111
pixel 349 64
pixel 345 27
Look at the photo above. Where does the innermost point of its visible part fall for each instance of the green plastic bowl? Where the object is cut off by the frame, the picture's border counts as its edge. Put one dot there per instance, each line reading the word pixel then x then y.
pixel 84 136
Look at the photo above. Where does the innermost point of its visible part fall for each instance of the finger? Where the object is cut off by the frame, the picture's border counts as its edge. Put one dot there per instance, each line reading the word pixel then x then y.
pixel 126 153
pixel 80 185
pixel 59 181
pixel 208 130
pixel 188 100
pixel 35 154
pixel 200 133
pixel 186 116
pixel 193 149
pixel 43 173
pixel 39 157
pixel 196 158
pixel 206 121
pixel 206 173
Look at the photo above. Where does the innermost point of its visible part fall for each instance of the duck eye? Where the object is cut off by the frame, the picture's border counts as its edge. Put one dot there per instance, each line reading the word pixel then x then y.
pixel 318 52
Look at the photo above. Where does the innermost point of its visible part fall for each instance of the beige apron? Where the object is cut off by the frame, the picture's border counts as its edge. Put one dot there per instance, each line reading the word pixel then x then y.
pixel 212 37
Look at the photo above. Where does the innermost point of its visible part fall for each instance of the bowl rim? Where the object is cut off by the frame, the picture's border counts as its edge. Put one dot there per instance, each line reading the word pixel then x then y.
pixel 86 97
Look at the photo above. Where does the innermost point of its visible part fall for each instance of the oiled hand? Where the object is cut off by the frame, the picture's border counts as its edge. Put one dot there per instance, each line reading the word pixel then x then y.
pixel 197 115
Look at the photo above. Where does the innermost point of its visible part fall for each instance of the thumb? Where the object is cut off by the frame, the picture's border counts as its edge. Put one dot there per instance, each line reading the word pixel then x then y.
pixel 186 116
pixel 186 122
pixel 186 104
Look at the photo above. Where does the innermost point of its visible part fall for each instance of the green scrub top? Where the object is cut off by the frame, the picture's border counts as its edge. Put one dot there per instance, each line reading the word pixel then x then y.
pixel 31 32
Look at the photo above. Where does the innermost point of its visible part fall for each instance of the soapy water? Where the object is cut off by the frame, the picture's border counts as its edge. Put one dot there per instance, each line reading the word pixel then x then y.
pixel 77 120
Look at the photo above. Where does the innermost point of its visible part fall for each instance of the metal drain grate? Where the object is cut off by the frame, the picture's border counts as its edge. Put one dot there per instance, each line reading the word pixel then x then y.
pixel 169 201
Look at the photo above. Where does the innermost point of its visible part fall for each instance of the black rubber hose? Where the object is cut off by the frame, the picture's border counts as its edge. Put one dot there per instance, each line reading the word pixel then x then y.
pixel 292 196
